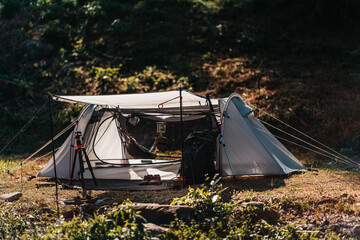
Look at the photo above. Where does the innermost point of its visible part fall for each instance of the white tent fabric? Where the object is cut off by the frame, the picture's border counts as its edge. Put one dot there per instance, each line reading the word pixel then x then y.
pixel 148 101
pixel 105 149
pixel 250 149
pixel 137 170
pixel 64 156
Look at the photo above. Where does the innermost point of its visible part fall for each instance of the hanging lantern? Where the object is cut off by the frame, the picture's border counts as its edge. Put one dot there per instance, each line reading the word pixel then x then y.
pixel 161 127
pixel 161 140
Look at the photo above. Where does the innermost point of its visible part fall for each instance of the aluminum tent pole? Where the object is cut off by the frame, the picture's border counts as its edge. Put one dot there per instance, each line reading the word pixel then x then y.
pixel 182 135
pixel 220 135
pixel 54 160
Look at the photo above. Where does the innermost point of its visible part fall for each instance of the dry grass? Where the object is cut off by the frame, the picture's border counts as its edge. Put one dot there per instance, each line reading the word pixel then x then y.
pixel 322 199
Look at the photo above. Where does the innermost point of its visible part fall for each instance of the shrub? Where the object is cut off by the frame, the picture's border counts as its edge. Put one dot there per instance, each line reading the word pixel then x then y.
pixel 120 222
pixel 152 79
pixel 215 219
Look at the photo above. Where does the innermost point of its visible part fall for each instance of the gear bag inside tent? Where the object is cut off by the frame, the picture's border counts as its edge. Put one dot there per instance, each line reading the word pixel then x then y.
pixel 244 145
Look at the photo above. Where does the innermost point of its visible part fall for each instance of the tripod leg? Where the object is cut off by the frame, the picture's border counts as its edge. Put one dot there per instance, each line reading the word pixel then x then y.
pixel 73 167
pixel 89 166
pixel 81 171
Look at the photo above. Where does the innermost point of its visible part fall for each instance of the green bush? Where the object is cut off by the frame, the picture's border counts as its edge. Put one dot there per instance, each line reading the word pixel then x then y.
pixel 119 222
pixel 215 219
pixel 152 79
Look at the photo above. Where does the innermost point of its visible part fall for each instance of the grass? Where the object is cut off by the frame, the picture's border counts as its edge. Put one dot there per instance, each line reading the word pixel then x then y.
pixel 324 200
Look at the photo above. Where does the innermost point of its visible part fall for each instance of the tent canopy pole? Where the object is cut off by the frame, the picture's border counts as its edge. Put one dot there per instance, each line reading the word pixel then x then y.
pixel 53 152
pixel 181 134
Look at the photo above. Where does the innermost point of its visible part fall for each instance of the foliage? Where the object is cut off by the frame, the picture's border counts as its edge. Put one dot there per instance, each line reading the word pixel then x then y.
pixel 106 80
pixel 118 222
pixel 215 219
pixel 13 225
pixel 152 79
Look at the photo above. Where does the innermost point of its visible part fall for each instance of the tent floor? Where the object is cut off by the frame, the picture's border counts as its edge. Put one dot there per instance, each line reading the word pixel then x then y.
pixel 122 185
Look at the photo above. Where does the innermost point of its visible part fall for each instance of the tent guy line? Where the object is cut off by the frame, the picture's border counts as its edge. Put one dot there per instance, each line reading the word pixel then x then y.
pixel 45 145
pixel 293 136
pixel 23 129
pixel 333 157
pixel 284 123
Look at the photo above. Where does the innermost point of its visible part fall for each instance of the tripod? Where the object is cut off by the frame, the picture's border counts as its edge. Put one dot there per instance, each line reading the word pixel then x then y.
pixel 79 151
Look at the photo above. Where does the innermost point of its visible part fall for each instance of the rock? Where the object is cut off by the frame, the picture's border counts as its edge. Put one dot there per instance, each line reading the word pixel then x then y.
pixel 157 213
pixel 155 229
pixel 10 197
pixel 355 232
pixel 268 214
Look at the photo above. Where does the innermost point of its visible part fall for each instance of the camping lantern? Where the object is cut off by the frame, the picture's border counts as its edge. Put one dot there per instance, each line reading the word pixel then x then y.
pixel 161 127
pixel 161 140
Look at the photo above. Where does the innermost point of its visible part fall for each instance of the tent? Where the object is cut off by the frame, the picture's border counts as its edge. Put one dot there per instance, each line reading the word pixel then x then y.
pixel 247 147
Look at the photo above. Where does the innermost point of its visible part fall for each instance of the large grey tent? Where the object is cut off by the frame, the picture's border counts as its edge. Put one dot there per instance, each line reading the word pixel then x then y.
pixel 245 148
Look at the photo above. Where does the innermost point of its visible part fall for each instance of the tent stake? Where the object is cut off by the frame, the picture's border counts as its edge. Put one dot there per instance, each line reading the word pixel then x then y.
pixel 53 152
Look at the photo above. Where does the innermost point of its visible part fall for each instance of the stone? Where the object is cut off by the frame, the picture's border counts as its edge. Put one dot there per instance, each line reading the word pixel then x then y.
pixel 155 229
pixel 10 197
pixel 157 213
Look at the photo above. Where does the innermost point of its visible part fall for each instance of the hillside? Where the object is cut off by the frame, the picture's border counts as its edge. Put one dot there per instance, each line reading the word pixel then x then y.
pixel 298 60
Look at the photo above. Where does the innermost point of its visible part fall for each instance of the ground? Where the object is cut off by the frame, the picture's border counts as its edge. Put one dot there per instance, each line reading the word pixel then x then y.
pixel 320 199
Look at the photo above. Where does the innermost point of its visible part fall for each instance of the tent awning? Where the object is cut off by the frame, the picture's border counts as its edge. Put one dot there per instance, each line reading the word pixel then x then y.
pixel 155 101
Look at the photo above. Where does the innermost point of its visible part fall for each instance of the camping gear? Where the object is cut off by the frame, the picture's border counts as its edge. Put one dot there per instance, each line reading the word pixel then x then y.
pixel 156 180
pixel 79 152
pixel 161 140
pixel 247 147
pixel 146 180
pixel 199 153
